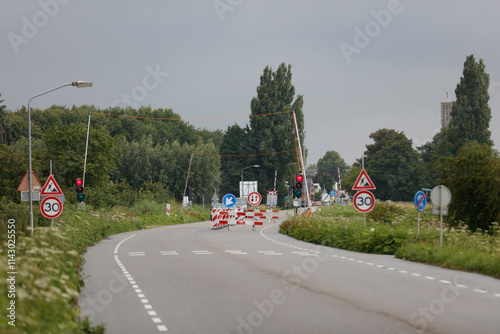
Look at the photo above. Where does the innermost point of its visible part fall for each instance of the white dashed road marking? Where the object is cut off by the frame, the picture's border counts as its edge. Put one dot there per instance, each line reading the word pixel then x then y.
pixel 483 291
pixel 154 317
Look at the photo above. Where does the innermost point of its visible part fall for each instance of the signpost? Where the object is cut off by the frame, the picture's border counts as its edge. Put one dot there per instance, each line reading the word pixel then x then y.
pixel 229 200
pixel 24 187
pixel 51 207
pixel 52 199
pixel 364 201
pixel 325 198
pixel 440 197
pixel 363 182
pixel 254 198
pixel 420 201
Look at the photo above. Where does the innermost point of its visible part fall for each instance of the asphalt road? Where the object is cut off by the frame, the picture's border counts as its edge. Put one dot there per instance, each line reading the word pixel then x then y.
pixel 191 279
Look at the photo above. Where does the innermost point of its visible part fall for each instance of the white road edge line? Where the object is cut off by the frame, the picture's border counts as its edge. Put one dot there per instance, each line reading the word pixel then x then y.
pixel 371 264
pixel 156 320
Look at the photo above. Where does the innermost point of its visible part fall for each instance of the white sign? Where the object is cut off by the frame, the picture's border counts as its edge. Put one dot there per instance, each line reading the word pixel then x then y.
pixel 325 198
pixel 254 198
pixel 51 207
pixel 364 201
pixel 440 196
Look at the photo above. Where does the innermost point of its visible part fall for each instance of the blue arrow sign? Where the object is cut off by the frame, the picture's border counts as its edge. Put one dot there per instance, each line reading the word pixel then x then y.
pixel 420 200
pixel 229 200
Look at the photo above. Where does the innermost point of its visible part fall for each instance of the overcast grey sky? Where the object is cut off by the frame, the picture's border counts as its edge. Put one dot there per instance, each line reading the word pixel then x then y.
pixel 362 65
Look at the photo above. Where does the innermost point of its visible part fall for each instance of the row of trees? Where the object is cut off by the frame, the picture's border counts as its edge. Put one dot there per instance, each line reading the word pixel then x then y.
pixel 131 150
pixel 151 150
pixel 460 156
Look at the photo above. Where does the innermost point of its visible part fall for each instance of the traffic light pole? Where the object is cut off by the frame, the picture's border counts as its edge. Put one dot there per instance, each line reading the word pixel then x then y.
pixel 303 168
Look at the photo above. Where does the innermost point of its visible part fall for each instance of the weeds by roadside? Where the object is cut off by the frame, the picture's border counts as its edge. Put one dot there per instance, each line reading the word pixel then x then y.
pixel 392 230
pixel 48 265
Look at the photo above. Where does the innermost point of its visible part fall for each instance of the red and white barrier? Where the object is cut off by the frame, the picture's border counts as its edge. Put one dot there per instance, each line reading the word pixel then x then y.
pixel 230 217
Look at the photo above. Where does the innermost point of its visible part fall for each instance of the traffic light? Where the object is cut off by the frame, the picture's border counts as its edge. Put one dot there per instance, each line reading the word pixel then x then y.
pixel 79 189
pixel 298 185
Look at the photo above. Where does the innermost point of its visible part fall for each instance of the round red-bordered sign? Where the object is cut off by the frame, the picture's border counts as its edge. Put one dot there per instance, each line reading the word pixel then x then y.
pixel 51 207
pixel 254 198
pixel 364 201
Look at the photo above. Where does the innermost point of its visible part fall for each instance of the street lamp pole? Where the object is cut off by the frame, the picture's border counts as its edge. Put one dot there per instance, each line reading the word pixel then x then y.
pixel 247 168
pixel 78 84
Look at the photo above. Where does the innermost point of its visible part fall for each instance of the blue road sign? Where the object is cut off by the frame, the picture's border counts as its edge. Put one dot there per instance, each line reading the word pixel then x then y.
pixel 332 193
pixel 229 200
pixel 420 200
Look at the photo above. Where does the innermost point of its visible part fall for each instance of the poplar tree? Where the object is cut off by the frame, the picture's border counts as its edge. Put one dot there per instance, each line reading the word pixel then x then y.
pixel 471 115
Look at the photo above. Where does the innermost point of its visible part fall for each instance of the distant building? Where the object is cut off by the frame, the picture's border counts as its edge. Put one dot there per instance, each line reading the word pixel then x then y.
pixel 446 112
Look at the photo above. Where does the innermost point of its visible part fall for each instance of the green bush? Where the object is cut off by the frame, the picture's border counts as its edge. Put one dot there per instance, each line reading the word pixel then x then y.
pixel 392 230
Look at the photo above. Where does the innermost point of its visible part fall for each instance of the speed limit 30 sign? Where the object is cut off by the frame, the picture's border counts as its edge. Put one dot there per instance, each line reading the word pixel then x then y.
pixel 51 207
pixel 364 201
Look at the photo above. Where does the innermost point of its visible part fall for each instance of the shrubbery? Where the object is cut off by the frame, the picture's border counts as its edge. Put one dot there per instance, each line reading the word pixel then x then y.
pixel 394 232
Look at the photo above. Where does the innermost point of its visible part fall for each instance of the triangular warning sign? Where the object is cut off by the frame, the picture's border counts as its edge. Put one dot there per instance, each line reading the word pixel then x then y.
pixel 25 185
pixel 363 182
pixel 51 187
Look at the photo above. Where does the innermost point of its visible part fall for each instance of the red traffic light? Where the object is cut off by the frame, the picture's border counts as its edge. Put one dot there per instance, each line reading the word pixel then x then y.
pixel 78 182
pixel 299 178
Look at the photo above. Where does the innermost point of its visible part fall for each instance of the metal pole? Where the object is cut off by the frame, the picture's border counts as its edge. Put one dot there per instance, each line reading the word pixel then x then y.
pixel 77 84
pixel 187 179
pixel 86 150
pixel 302 159
pixel 363 167
pixel 418 222
pixel 52 220
pixel 441 216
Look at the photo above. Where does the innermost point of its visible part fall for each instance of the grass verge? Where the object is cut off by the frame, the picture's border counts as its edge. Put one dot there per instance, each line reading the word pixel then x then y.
pixel 393 230
pixel 48 266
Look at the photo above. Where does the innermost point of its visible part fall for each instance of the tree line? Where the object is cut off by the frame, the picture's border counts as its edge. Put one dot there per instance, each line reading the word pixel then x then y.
pixel 141 152
pixel 147 152
pixel 460 156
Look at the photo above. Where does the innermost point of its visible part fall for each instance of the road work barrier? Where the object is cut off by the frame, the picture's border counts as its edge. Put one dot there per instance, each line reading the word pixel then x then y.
pixel 222 218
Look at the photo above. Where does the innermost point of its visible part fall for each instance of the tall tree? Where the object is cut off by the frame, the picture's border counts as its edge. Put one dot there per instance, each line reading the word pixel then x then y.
pixel 328 167
pixel 381 137
pixel 394 166
pixel 470 114
pixel 275 133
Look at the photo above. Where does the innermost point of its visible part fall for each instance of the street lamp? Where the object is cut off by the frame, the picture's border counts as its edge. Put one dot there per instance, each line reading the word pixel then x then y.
pixel 247 168
pixel 78 84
